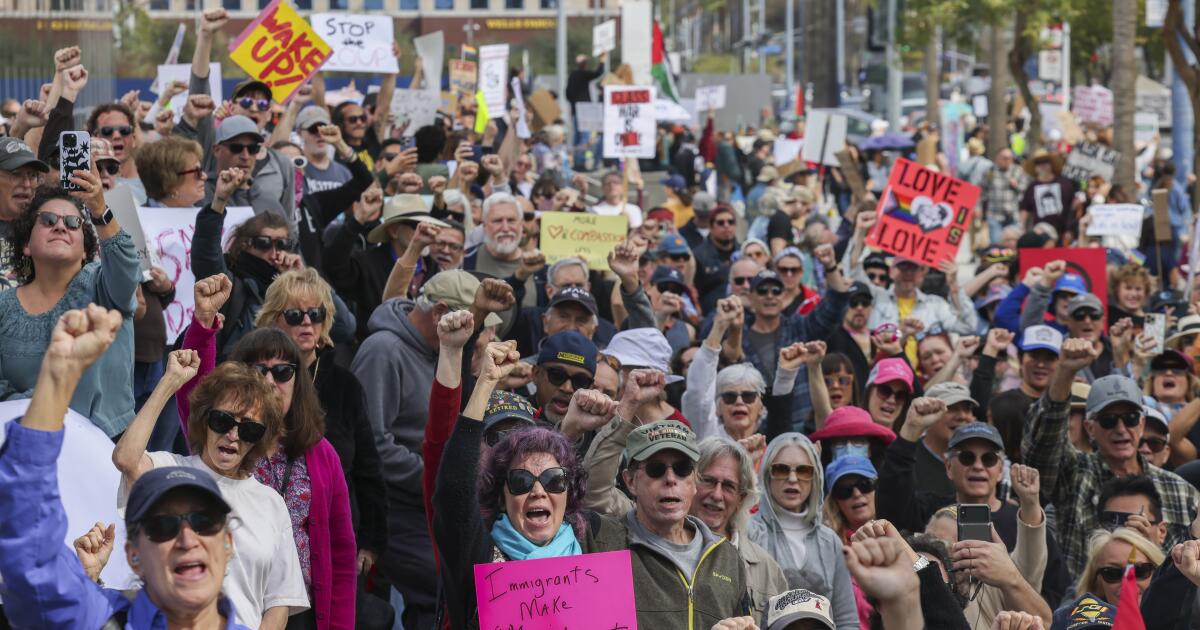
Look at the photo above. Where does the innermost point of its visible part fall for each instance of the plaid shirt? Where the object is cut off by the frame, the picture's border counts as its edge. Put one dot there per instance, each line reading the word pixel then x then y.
pixel 1071 481
pixel 999 200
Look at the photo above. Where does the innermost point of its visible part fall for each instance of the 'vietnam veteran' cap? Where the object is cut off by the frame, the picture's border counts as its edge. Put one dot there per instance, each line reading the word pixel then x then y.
pixel 649 439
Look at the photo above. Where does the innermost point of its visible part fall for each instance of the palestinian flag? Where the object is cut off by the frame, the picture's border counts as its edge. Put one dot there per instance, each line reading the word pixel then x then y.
pixel 660 67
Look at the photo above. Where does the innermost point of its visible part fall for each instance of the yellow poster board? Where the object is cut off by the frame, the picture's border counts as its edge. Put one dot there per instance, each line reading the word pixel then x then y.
pixel 588 236
pixel 280 49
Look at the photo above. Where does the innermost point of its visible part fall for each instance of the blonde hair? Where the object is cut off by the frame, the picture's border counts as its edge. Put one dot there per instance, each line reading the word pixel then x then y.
pixel 1088 580
pixel 288 286
pixel 159 164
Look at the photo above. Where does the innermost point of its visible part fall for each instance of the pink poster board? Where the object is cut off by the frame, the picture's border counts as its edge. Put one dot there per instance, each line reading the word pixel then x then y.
pixel 591 591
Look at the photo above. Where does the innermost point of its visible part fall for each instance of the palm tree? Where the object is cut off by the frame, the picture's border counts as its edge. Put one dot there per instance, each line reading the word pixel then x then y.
pixel 1124 18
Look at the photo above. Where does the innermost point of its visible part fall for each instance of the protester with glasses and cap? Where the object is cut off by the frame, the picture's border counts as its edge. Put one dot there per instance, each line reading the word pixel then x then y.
pixel 20 175
pixel 850 504
pixel 1043 297
pixel 673 307
pixel 1114 421
pixel 566 363
pixel 715 255
pixel 238 143
pixel 647 348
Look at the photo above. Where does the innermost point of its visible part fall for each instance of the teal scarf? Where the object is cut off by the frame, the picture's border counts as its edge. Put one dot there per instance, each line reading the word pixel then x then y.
pixel 518 547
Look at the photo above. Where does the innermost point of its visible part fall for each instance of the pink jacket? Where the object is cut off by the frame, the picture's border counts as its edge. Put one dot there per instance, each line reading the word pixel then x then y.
pixel 334 550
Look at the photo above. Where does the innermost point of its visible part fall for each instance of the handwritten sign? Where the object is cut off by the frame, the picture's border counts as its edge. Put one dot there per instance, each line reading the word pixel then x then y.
pixel 1116 219
pixel 1090 158
pixel 462 76
pixel 361 43
pixel 593 590
pixel 923 214
pixel 604 37
pixel 168 234
pixel 280 49
pixel 710 97
pixel 1093 103
pixel 431 47
pixel 419 106
pixel 629 121
pixel 1088 263
pixel 588 236
pixel 493 78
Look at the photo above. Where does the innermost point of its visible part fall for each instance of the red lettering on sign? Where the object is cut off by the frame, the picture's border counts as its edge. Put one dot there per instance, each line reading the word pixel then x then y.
pixel 632 96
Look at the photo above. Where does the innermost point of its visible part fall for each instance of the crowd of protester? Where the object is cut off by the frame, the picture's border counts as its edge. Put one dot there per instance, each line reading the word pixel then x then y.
pixel 783 426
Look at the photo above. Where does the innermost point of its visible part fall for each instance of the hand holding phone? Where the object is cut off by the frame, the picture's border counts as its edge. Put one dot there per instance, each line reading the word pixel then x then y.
pixel 74 154
pixel 974 522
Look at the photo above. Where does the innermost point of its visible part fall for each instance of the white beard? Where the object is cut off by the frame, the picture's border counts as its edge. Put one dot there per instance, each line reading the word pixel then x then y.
pixel 503 247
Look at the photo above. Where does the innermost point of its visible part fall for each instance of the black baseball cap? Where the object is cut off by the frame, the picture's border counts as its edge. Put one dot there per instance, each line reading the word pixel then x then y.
pixel 860 289
pixel 507 406
pixel 765 276
pixel 577 295
pixel 14 154
pixel 877 260
pixel 157 482
pixel 668 275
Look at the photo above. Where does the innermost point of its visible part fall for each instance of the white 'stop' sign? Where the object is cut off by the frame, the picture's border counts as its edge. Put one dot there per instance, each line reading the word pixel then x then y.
pixel 361 43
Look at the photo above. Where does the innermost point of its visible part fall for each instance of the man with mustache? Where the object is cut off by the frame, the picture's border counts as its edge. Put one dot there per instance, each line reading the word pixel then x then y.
pixel 501 255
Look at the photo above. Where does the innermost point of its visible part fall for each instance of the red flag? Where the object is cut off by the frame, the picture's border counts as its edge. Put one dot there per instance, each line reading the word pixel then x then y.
pixel 1129 611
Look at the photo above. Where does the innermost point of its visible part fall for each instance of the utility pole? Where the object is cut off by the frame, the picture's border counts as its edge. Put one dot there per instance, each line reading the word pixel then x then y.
pixel 1066 67
pixel 895 78
pixel 746 36
pixel 561 56
pixel 840 19
pixel 761 40
pixel 789 35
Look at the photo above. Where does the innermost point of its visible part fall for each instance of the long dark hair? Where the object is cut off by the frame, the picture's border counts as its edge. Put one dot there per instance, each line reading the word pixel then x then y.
pixel 493 472
pixel 23 230
pixel 304 423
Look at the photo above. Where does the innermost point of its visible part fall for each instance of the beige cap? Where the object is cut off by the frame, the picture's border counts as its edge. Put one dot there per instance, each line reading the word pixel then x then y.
pixel 457 289
pixel 406 207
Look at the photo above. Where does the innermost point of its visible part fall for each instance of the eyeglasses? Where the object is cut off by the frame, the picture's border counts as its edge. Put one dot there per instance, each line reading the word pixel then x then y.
pixel 877 277
pixel 197 171
pixel 679 257
pixel 315 129
pixel 1155 444
pixel 728 486
pixel 280 372
pixel 788 271
pixel 681 467
pixel 260 104
pixel 266 244
pixel 742 280
pixel 454 247
pixel 771 290
pixel 783 472
pixel 846 490
pixel 670 288
pixel 1112 575
pixel 1109 421
pixel 860 302
pixel 49 219
pixel 33 177
pixel 109 167
pixel 248 430
pixel 725 223
pixel 888 393
pixel 1170 372
pixel 988 459
pixel 1086 314
pixel 237 147
pixel 295 316
pixel 558 376
pixel 110 130
pixel 353 120
pixel 730 398
pixel 388 157
pixel 841 381
pixel 161 528
pixel 520 481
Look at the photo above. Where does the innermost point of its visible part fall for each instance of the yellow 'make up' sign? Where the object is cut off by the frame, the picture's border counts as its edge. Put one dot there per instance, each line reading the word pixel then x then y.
pixel 588 236
pixel 280 49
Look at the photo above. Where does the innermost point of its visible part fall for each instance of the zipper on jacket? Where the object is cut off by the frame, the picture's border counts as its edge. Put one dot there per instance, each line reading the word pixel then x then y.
pixel 691 585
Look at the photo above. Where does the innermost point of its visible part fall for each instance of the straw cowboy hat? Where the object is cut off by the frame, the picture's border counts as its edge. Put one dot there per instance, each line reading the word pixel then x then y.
pixel 1042 155
pixel 407 207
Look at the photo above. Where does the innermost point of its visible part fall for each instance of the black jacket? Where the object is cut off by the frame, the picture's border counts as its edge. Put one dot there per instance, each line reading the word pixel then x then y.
pixel 318 209
pixel 712 273
pixel 251 277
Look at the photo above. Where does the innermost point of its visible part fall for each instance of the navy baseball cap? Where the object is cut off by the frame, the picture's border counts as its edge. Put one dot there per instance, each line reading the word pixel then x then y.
pixel 675 182
pixel 569 347
pixel 860 289
pixel 157 482
pixel 673 244
pixel 667 275
pixel 1085 613
pixel 507 406
pixel 976 431
pixel 765 276
pixel 577 295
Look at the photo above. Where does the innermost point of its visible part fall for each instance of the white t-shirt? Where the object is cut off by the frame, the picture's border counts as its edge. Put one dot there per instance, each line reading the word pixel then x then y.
pixel 265 569
pixel 631 209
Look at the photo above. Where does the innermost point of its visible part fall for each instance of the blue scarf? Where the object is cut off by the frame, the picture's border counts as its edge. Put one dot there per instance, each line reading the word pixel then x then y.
pixel 518 547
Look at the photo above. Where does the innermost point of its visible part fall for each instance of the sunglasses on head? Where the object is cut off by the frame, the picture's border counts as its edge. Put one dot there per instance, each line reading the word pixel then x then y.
pixel 1109 421
pixel 237 147
pixel 888 393
pixel 71 221
pixel 109 131
pixel 161 528
pixel 280 372
pixel 730 398
pixel 1086 314
pixel 1112 575
pixel 361 118
pixel 266 244
pixel 520 481
pixel 846 490
pixel 742 280
pixel 257 104
pixel 860 302
pixel 1155 444
pixel 109 167
pixel 249 430
pixel 988 459
pixel 788 271
pixel 295 316
pixel 782 472
pixel 681 467
pixel 770 290
pixel 558 376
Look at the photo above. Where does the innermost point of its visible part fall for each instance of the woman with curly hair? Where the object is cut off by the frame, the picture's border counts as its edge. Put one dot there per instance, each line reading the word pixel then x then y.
pixel 1129 287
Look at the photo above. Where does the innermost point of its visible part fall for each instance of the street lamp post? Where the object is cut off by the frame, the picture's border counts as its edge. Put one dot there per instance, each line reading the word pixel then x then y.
pixel 470 27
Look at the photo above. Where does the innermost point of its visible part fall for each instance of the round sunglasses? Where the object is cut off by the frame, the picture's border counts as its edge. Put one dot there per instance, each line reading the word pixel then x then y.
pixel 967 458
pixel 782 472
pixel 520 481
pixel 49 219
pixel 248 429
pixel 295 316
pixel 280 372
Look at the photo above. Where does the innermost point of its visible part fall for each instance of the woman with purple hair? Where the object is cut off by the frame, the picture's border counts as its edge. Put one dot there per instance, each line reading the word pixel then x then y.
pixel 520 499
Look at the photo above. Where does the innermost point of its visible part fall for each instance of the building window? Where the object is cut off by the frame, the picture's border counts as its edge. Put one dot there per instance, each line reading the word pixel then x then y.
pixel 443 5
pixel 373 5
pixel 193 5
pixel 410 5
pixel 479 4
pixel 103 6
pixel 155 5
pixel 339 5
pixel 304 5
pixel 549 4
pixel 231 5
pixel 514 4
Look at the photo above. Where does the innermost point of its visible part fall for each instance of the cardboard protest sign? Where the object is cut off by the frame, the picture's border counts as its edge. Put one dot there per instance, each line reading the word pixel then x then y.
pixel 604 37
pixel 588 236
pixel 183 72
pixel 1093 103
pixel 825 135
pixel 120 200
pixel 420 107
pixel 1116 219
pixel 522 124
pixel 431 47
pixel 850 173
pixel 545 109
pixel 168 234
pixel 709 97
pixel 923 214
pixel 493 78
pixel 280 49
pixel 629 122
pixel 1161 200
pixel 361 43
pixel 1088 263
pixel 589 116
pixel 462 76
pixel 1090 158
pixel 593 590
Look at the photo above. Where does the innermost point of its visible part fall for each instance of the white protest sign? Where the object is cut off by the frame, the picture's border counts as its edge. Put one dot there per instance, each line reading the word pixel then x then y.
pixel 604 37
pixel 785 150
pixel 1093 104
pixel 431 47
pixel 361 43
pixel 1088 158
pixel 637 37
pixel 629 122
pixel 979 105
pixel 183 72
pixel 589 116
pixel 522 124
pixel 825 135
pixel 1116 219
pixel 666 110
pixel 169 234
pixel 1050 65
pixel 124 206
pixel 493 78
pixel 1145 126
pixel 709 97
pixel 87 485
pixel 420 107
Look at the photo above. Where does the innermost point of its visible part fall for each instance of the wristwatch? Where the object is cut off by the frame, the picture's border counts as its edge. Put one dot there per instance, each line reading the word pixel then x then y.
pixel 105 218
pixel 921 563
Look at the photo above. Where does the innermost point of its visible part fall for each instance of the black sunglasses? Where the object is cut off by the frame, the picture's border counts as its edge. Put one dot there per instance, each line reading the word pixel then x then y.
pixel 681 467
pixel 730 398
pixel 109 167
pixel 888 393
pixel 280 372
pixel 860 302
pixel 679 257
pixel 250 103
pixel 1109 421
pixel 520 481
pixel 846 490
pixel 1156 444
pixel 266 244
pixel 558 376
pixel 361 118
pixel 49 219
pixel 742 280
pixel 725 223
pixel 1086 314
pixel 967 458
pixel 1112 575
pixel 315 129
pixel 161 528
pixel 110 130
pixel 295 316
pixel 528 216
pixel 771 290
pixel 248 430
pixel 667 287
pixel 787 271
pixel 877 277
pixel 237 147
